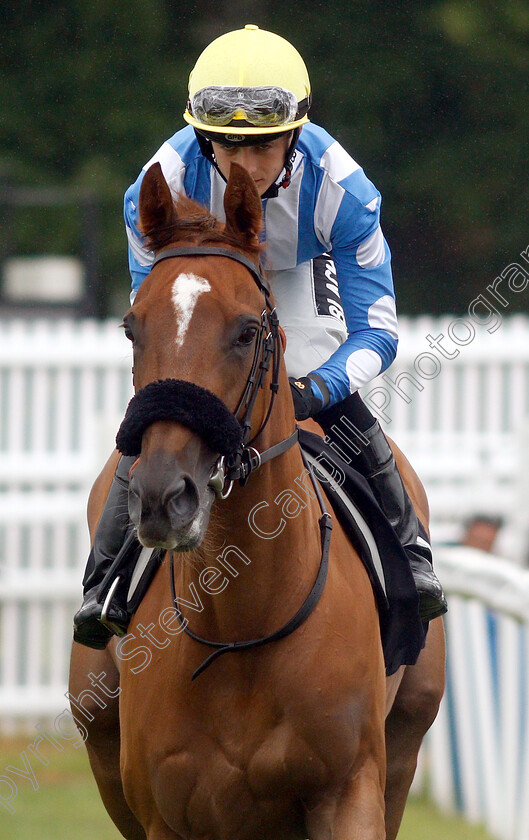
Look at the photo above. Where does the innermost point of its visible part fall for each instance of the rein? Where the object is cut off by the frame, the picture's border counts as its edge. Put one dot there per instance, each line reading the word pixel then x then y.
pixel 308 606
pixel 239 464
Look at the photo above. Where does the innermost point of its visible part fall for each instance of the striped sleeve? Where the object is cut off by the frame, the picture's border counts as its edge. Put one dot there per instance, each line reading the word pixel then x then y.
pixel 347 221
pixel 173 168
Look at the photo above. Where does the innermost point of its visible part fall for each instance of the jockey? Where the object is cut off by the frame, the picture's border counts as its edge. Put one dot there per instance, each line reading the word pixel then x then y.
pixel 327 262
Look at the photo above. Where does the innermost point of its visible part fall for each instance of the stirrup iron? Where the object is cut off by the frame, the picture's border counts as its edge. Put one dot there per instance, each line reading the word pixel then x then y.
pixel 104 620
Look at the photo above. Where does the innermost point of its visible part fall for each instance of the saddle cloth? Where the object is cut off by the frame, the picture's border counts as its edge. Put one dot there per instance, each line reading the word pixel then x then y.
pixel 402 633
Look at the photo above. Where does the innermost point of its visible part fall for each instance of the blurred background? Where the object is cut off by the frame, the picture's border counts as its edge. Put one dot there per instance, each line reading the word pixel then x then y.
pixel 431 99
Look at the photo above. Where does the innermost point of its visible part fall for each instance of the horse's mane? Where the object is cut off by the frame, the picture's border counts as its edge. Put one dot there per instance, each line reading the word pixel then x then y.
pixel 191 222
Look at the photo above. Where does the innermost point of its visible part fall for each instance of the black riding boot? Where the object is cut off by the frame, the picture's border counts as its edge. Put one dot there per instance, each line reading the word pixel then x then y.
pixel 375 461
pixel 109 568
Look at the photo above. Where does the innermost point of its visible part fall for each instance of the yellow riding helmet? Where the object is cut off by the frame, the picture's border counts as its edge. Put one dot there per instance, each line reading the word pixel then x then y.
pixel 248 82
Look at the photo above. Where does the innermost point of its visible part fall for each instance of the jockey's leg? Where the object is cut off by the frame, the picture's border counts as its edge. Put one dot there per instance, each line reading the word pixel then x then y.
pixel 371 454
pixel 113 555
pixel 310 313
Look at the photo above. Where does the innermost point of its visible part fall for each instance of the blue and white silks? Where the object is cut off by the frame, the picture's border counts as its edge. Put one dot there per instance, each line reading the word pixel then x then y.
pixel 329 206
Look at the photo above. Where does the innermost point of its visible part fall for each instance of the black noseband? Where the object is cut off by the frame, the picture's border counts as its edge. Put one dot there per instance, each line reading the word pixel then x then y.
pixel 192 406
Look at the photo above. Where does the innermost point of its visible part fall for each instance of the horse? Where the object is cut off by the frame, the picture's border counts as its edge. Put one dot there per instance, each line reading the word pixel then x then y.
pixel 249 698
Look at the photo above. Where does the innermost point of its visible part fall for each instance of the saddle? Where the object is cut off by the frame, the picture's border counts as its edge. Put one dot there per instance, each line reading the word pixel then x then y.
pixel 403 634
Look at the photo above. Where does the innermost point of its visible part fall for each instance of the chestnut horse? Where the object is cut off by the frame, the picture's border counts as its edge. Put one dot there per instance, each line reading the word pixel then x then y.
pixel 294 735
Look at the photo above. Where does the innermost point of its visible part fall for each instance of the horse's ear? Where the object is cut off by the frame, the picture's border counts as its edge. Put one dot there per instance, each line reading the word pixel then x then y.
pixel 242 206
pixel 156 202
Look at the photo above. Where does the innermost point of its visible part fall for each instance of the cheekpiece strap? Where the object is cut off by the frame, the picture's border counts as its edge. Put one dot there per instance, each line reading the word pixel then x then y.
pixel 245 462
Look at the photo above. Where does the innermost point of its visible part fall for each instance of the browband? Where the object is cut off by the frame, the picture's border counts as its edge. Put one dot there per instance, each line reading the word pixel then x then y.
pixel 210 251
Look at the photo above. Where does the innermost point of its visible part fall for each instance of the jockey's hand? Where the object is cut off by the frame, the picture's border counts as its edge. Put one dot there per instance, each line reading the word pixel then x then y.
pixel 306 403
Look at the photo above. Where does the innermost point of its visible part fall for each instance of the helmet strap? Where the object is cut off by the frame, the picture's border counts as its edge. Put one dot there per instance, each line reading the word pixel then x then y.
pixel 206 148
pixel 273 189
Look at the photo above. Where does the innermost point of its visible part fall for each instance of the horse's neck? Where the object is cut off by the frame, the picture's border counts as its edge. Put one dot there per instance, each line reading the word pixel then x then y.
pixel 260 555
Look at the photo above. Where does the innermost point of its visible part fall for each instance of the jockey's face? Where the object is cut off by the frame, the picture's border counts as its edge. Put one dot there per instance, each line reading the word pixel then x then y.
pixel 263 162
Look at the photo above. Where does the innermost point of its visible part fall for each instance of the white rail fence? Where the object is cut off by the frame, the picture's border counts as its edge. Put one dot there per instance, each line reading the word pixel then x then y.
pixel 63 386
pixel 476 756
pixel 466 431
pixel 462 421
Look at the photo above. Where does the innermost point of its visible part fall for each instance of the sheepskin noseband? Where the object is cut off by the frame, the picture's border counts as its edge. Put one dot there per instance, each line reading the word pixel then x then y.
pixel 186 403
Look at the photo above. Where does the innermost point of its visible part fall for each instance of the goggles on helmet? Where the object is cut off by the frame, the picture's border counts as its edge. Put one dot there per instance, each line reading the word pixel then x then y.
pixel 259 106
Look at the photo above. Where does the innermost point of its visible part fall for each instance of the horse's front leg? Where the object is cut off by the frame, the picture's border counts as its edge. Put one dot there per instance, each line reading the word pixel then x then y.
pixel 357 811
pixel 94 698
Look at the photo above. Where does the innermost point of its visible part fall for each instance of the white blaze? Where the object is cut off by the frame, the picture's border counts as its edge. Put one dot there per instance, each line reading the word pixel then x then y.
pixel 186 289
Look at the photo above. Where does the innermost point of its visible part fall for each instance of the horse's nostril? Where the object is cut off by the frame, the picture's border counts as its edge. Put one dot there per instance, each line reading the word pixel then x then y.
pixel 182 502
pixel 175 490
pixel 163 503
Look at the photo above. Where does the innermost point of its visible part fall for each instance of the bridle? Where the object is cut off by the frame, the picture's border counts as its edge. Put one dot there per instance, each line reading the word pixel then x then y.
pixel 238 465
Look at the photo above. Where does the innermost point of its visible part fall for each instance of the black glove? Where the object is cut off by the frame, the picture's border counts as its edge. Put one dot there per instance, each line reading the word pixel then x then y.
pixel 306 404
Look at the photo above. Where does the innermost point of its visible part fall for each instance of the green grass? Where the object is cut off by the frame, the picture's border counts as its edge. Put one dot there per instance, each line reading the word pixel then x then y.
pixel 424 822
pixel 66 804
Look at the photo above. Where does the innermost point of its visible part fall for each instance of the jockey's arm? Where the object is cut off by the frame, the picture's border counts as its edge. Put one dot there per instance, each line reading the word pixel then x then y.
pixel 363 266
pixel 140 260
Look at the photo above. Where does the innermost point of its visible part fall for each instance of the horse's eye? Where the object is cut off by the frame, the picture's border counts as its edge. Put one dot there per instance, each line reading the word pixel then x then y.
pixel 247 336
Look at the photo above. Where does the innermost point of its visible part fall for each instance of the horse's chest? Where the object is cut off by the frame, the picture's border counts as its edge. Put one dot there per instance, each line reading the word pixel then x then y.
pixel 251 785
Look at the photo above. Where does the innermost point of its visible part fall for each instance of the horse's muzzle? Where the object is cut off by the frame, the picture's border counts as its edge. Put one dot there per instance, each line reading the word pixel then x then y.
pixel 164 509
